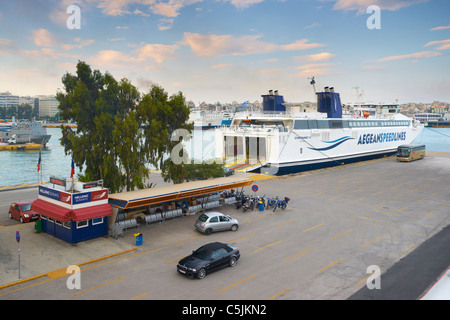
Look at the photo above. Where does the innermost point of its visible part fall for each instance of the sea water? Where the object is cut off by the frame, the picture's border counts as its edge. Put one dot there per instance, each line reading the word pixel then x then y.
pixel 20 167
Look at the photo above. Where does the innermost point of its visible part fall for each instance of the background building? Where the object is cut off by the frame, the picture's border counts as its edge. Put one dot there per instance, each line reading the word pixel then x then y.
pixel 48 106
pixel 8 100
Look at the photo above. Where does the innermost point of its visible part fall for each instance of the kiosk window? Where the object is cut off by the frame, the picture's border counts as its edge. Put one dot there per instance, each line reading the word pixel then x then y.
pixel 82 224
pixel 97 220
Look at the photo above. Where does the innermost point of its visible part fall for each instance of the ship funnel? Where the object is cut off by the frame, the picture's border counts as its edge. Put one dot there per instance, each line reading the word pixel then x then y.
pixel 329 102
pixel 273 103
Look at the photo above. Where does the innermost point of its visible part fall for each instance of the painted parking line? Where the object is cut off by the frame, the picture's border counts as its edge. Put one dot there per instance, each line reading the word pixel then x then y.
pixel 431 212
pixel 140 296
pixel 236 283
pixel 140 253
pixel 339 235
pixel 401 253
pixel 331 264
pixel 283 223
pixel 251 234
pixel 299 254
pixel 27 287
pixel 370 242
pixel 95 287
pixel 319 225
pixel 271 244
pixel 376 220
pixel 278 294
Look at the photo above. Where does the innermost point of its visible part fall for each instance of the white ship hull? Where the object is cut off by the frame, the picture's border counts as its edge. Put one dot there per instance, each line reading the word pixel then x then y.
pixel 281 144
pixel 278 152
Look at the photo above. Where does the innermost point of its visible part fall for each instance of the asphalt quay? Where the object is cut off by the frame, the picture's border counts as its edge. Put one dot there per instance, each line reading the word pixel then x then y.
pixel 387 205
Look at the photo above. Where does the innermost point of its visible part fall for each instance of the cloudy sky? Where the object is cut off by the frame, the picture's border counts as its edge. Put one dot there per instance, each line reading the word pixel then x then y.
pixel 226 50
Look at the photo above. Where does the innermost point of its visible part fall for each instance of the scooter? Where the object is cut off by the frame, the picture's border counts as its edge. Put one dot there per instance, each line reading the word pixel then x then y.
pixel 271 202
pixel 281 203
pixel 249 204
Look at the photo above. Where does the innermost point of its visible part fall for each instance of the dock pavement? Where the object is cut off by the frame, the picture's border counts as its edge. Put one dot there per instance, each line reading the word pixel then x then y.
pixel 44 256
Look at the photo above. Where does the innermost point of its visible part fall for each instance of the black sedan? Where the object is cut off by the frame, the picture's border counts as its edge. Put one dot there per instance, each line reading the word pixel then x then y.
pixel 208 258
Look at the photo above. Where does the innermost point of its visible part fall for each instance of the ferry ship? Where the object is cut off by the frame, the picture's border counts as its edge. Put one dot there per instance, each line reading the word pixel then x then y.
pixel 210 119
pixel 24 132
pixel 277 141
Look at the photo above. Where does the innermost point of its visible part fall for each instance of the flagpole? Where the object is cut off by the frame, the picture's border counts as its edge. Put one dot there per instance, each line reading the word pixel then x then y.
pixel 39 164
pixel 72 172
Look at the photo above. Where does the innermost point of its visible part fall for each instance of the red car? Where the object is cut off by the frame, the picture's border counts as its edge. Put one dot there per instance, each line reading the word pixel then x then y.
pixel 21 210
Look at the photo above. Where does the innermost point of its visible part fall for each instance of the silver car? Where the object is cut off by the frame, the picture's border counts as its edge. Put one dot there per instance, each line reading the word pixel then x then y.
pixel 215 221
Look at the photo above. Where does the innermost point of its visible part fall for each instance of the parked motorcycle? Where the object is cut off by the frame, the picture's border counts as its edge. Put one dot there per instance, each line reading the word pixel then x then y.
pixel 271 202
pixel 249 204
pixel 281 203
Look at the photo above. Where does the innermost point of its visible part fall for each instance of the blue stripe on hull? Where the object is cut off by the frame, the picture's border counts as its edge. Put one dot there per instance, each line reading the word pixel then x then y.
pixel 325 164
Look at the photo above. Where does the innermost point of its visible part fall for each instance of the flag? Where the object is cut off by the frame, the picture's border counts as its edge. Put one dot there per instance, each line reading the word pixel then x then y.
pixel 39 162
pixel 72 171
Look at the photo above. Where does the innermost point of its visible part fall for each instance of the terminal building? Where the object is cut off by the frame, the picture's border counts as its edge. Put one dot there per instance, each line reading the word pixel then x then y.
pixel 73 211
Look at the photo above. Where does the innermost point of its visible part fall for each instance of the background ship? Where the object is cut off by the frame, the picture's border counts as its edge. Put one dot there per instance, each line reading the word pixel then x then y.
pixel 24 132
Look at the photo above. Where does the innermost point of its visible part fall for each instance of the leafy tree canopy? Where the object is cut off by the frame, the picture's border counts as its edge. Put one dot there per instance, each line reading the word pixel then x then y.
pixel 119 131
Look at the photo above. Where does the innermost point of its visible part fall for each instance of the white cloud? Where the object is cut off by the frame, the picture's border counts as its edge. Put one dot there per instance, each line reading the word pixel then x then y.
pixel 313 25
pixel 140 58
pixel 361 5
pixel 79 44
pixel 314 69
pixel 165 24
pixel 113 59
pixel 443 44
pixel 372 68
pixel 169 9
pixel 219 66
pixel 301 45
pixel 440 28
pixel 43 38
pixel 156 52
pixel 116 7
pixel 45 53
pixel 323 56
pixel 213 45
pixel 7 46
pixel 416 55
pixel 272 72
pixel 244 3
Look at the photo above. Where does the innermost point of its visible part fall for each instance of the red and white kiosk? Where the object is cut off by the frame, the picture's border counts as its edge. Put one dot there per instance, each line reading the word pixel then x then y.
pixel 73 211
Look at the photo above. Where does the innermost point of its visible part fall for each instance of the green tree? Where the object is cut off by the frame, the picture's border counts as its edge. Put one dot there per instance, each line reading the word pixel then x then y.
pixel 163 117
pixel 119 133
pixel 96 101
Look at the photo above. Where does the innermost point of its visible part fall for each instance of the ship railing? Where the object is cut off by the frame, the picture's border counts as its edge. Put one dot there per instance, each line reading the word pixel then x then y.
pixel 256 129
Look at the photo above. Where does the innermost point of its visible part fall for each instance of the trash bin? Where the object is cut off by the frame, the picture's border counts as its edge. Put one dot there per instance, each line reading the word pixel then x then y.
pixel 261 206
pixel 138 239
pixel 38 226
